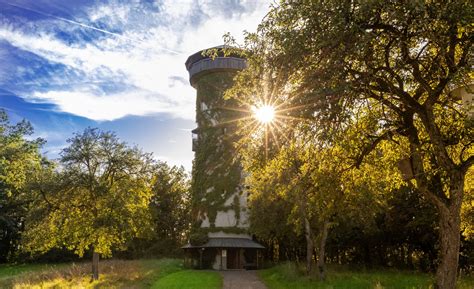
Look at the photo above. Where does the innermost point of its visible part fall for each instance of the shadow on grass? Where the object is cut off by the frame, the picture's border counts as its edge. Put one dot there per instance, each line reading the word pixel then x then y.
pixel 288 275
pixel 190 279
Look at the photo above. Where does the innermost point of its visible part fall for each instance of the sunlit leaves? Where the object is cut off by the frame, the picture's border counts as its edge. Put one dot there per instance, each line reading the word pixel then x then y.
pixel 19 159
pixel 97 200
pixel 374 79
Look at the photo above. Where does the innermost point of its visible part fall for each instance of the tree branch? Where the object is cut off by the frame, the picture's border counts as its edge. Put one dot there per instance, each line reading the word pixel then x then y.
pixel 465 165
pixel 369 148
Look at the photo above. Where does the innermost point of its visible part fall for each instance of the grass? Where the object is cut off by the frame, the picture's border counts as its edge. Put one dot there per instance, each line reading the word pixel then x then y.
pixel 190 279
pixel 8 271
pixel 153 273
pixel 170 274
pixel 290 276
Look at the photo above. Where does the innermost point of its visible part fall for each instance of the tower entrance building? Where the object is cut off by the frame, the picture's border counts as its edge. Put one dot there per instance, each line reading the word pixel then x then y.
pixel 219 237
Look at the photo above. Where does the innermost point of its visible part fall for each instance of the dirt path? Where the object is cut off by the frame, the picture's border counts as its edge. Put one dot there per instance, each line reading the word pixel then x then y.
pixel 242 280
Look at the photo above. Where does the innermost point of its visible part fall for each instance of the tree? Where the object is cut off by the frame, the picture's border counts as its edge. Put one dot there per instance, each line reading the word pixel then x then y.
pixel 170 207
pixel 306 189
pixel 96 200
pixel 408 223
pixel 19 158
pixel 396 60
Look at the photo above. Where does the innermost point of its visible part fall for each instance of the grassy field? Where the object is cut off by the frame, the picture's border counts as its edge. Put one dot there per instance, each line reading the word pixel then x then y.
pixel 169 274
pixel 162 273
pixel 289 276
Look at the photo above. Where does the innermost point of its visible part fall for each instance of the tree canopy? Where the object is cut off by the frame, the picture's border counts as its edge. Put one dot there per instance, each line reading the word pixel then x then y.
pixel 97 199
pixel 382 71
pixel 19 159
pixel 170 207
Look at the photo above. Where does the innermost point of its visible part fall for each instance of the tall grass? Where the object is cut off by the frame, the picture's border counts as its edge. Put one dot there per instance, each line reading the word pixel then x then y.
pixel 113 274
pixel 79 275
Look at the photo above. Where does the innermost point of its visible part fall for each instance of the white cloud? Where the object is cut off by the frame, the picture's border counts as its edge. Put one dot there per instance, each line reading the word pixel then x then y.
pixel 115 13
pixel 146 60
pixel 4 72
pixel 115 105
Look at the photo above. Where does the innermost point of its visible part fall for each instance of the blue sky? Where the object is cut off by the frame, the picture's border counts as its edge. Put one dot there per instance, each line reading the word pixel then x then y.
pixel 115 65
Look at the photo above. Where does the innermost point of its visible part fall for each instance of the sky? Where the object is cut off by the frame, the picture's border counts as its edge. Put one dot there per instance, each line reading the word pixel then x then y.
pixel 116 65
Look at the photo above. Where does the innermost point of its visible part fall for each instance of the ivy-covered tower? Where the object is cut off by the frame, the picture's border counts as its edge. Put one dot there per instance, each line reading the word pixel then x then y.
pixel 219 237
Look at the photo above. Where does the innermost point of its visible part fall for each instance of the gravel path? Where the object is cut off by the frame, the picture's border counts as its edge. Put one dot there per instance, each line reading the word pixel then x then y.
pixel 242 279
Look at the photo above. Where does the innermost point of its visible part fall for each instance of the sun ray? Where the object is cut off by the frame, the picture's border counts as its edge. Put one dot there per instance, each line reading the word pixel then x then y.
pixel 234 120
pixel 234 109
pixel 268 121
pixel 271 128
pixel 280 130
pixel 245 128
pixel 250 123
pixel 250 132
pixel 290 108
pixel 293 118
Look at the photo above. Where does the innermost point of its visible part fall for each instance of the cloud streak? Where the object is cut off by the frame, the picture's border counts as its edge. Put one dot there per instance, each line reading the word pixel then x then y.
pixel 64 19
pixel 135 64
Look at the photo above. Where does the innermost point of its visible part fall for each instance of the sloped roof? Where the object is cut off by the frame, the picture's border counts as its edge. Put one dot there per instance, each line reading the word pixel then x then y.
pixel 228 243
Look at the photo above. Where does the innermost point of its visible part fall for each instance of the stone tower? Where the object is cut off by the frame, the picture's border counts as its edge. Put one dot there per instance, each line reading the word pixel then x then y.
pixel 219 198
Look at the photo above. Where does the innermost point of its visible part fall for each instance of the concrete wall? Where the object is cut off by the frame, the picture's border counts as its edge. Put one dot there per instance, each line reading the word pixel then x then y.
pixel 466 95
pixel 228 218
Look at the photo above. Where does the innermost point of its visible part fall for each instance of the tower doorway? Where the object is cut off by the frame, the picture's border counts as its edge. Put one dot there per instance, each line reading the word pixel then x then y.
pixel 234 259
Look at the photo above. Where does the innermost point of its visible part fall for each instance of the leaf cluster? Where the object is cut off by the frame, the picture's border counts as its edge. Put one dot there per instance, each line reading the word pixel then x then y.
pixel 98 198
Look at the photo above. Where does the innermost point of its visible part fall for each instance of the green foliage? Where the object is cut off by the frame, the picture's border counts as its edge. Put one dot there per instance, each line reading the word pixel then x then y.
pixel 97 200
pixel 170 205
pixel 216 170
pixel 301 178
pixel 233 230
pixel 400 232
pixel 19 159
pixel 170 201
pixel 372 75
pixel 170 215
pixel 236 207
pixel 198 238
pixel 103 195
pixel 347 70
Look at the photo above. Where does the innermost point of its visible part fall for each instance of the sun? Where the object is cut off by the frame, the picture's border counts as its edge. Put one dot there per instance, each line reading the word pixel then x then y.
pixel 264 114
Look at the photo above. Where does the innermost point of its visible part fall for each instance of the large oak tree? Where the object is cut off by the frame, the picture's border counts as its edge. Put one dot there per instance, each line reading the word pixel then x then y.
pixel 393 62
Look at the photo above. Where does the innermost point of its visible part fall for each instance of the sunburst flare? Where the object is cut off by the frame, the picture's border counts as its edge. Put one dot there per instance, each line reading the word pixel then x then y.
pixel 264 114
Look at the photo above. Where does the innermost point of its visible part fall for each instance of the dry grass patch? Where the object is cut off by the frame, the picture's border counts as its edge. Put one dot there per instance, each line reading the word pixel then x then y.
pixel 113 274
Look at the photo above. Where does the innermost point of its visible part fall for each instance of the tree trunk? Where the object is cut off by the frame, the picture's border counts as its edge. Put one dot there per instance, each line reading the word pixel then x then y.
pixel 410 258
pixel 448 202
pixel 449 231
pixel 322 251
pixel 95 265
pixel 309 246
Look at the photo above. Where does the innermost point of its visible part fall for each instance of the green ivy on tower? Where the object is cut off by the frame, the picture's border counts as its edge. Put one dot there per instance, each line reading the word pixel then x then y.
pixel 216 170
